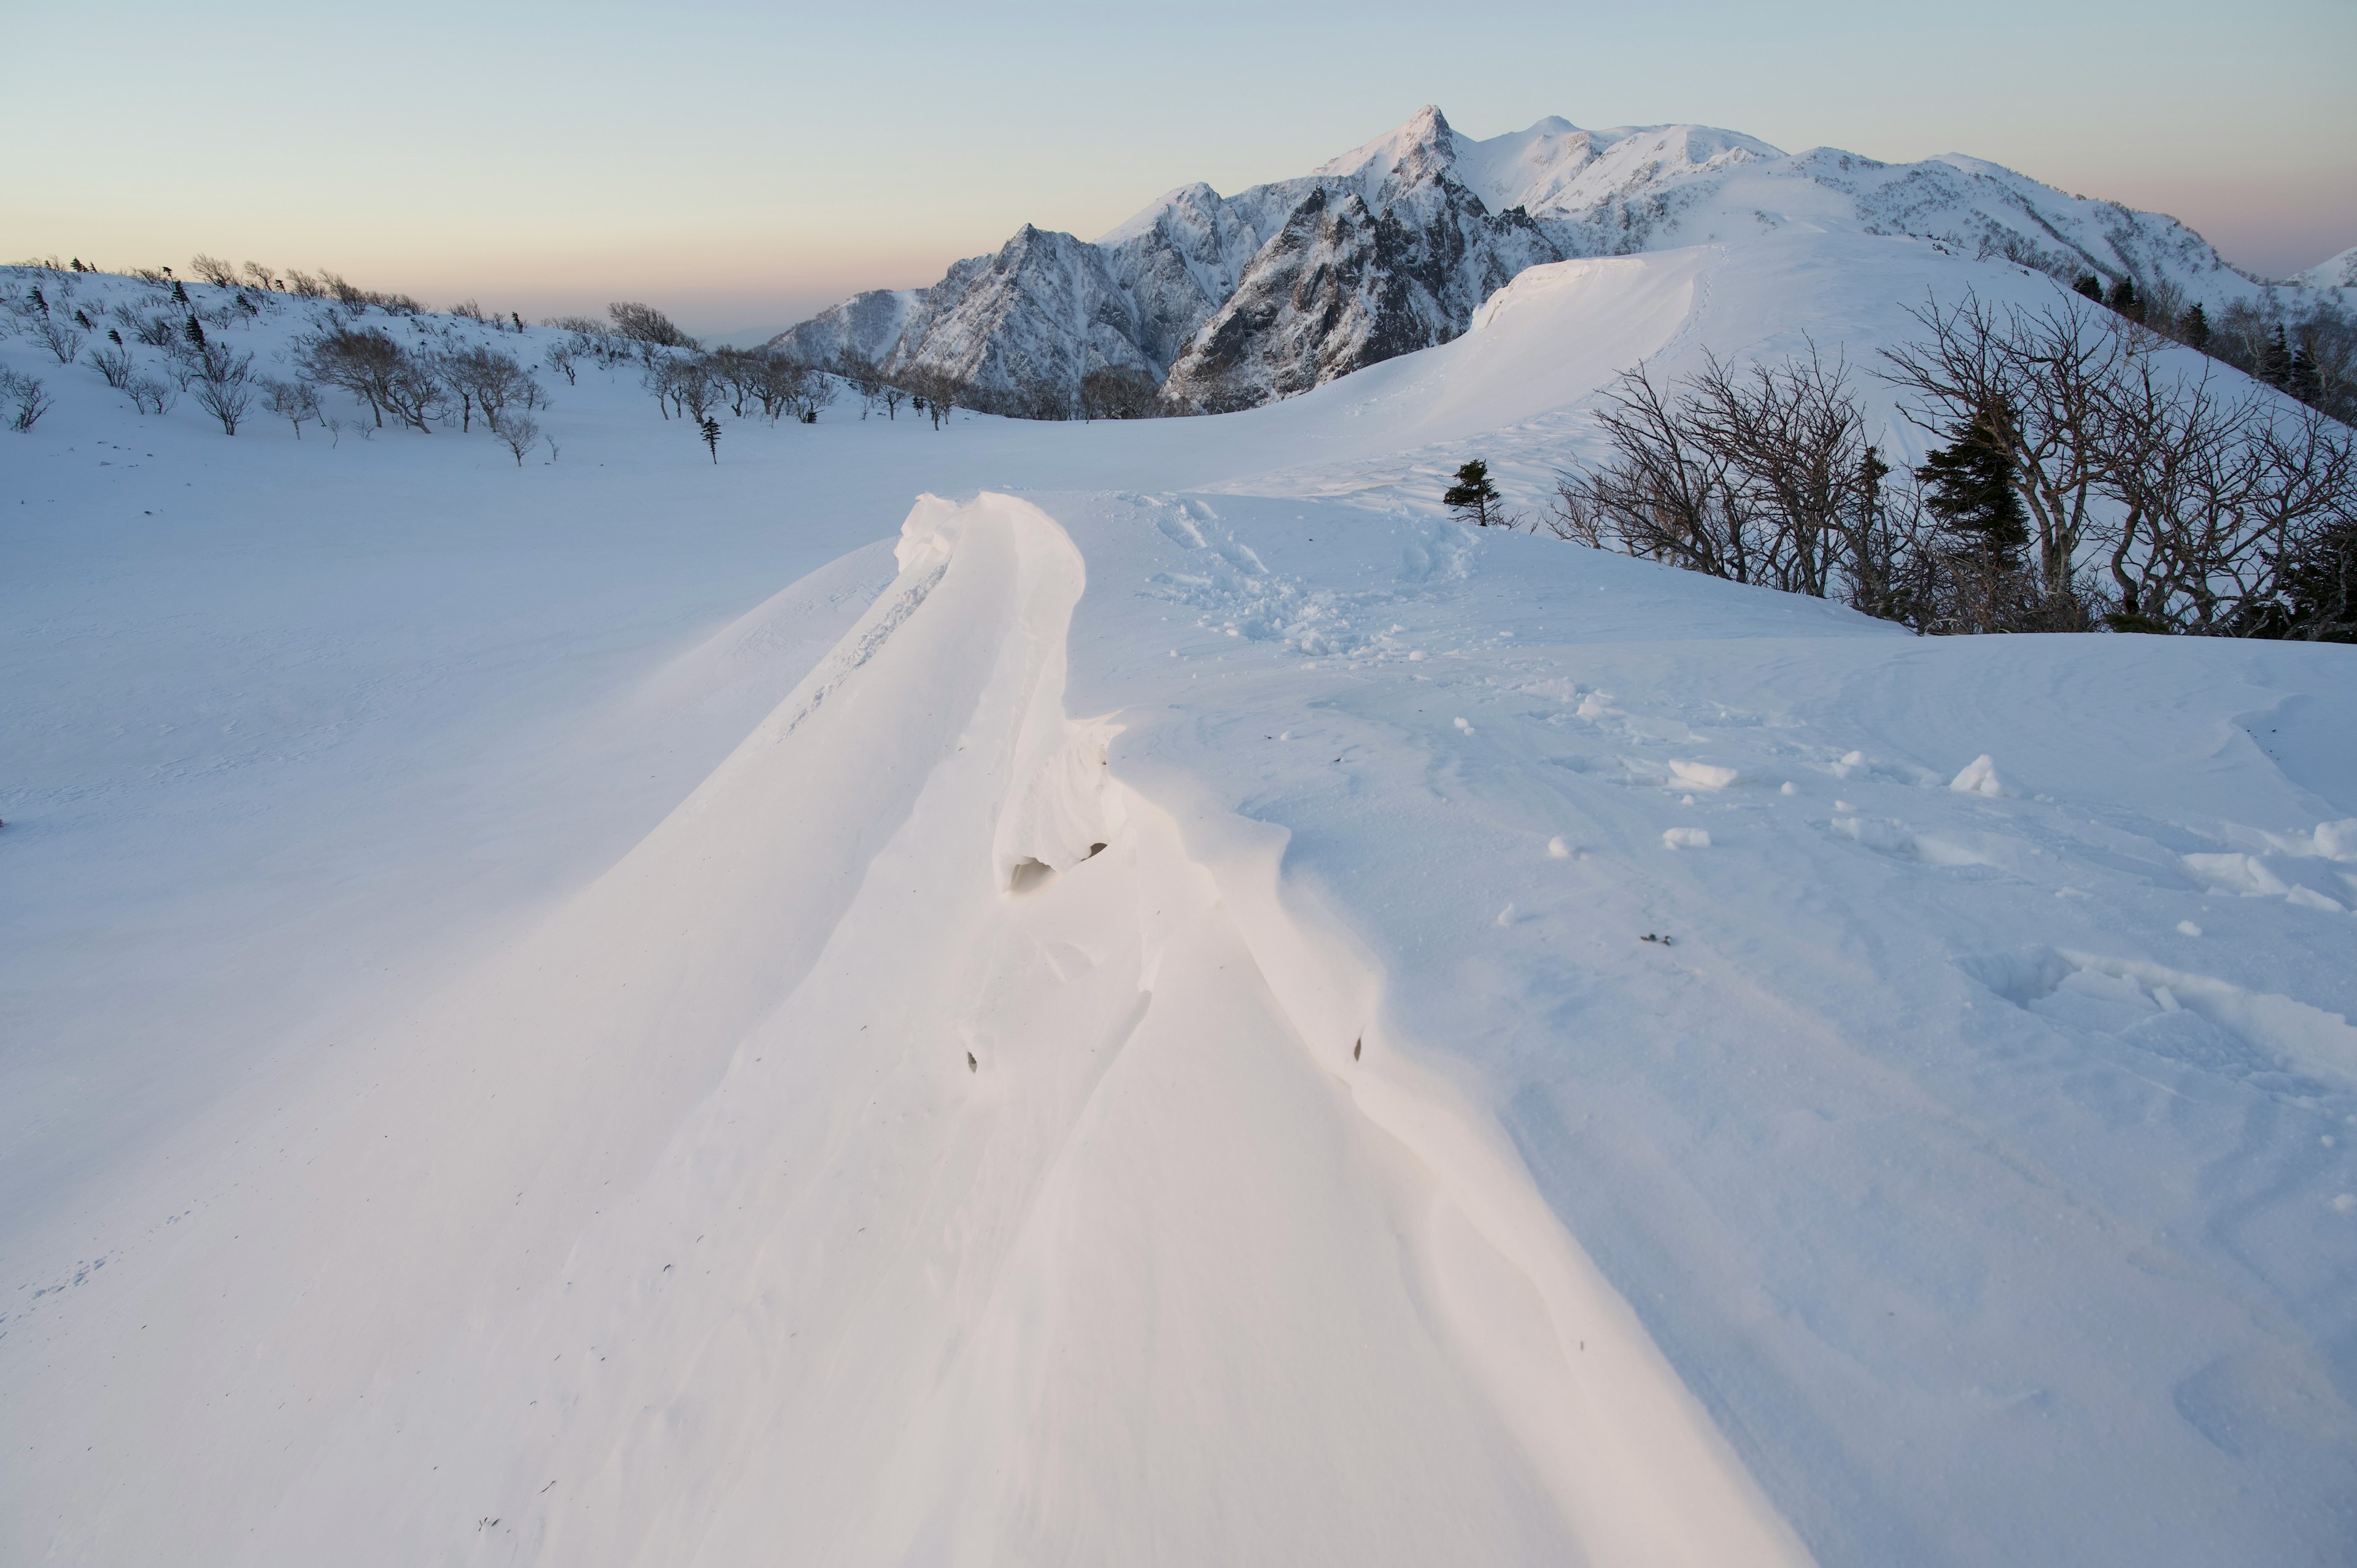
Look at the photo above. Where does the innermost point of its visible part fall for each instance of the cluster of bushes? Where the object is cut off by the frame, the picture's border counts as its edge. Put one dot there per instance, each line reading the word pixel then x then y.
pixel 417 387
pixel 2078 481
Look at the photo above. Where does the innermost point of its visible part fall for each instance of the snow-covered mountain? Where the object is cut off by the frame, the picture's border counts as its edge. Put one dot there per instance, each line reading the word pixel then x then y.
pixel 1231 301
pixel 2340 272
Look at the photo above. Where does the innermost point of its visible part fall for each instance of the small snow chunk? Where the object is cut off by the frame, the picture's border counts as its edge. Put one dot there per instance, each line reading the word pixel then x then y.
pixel 1979 777
pixel 2345 1204
pixel 1557 848
pixel 1686 838
pixel 1415 656
pixel 2189 929
pixel 1463 726
pixel 1703 775
pixel 1788 788
pixel 1844 806
pixel 1506 916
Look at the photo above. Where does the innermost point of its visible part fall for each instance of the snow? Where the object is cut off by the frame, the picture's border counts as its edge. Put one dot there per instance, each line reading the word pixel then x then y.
pixel 1053 992
pixel 1392 247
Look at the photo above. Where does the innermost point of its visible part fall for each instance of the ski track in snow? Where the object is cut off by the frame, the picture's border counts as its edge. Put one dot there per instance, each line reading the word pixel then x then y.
pixel 1136 1038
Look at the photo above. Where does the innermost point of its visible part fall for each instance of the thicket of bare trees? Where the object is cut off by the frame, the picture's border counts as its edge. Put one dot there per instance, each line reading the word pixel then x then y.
pixel 2079 479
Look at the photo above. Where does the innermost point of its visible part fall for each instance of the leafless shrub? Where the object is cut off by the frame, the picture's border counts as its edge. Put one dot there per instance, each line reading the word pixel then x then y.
pixel 256 275
pixel 488 380
pixel 645 324
pixel 293 401
pixel 564 359
pixel 1115 393
pixel 517 432
pixel 365 362
pixel 303 285
pixel 24 398
pixel 59 336
pixel 149 395
pixel 695 388
pixel 213 270
pixel 223 384
pixel 115 364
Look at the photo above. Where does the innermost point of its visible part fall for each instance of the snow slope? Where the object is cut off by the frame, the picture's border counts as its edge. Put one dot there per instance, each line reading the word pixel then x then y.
pixel 534 1035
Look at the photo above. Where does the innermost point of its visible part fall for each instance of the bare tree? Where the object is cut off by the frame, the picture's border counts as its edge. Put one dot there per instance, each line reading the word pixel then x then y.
pixel 213 270
pixel 26 400
pixel 645 324
pixel 224 384
pixel 517 432
pixel 697 390
pixel 60 338
pixel 149 395
pixel 293 401
pixel 2051 366
pixel 564 359
pixel 1119 392
pixel 365 362
pixel 115 364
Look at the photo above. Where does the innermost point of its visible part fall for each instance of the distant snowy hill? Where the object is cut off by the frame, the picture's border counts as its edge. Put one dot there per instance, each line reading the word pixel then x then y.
pixel 1231 301
pixel 2340 272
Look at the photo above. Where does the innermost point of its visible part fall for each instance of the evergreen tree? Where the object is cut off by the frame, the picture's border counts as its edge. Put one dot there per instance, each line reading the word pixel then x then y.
pixel 1968 489
pixel 2091 286
pixel 2124 298
pixel 2275 360
pixel 194 332
pixel 1473 498
pixel 2195 328
pixel 712 436
pixel 2301 378
pixel 179 295
pixel 2320 581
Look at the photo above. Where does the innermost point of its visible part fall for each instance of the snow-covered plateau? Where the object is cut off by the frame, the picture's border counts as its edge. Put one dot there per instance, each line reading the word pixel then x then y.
pixel 1132 992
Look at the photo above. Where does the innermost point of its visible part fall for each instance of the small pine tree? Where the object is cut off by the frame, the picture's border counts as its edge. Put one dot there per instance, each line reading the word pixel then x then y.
pixel 2320 581
pixel 2091 286
pixel 2124 298
pixel 1968 490
pixel 194 332
pixel 2275 360
pixel 1473 498
pixel 712 436
pixel 2301 378
pixel 180 293
pixel 2195 328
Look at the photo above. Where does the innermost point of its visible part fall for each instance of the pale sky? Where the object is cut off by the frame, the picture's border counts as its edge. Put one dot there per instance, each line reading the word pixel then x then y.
pixel 743 165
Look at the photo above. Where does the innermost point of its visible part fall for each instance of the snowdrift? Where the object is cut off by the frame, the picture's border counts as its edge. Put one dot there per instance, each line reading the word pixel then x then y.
pixel 1119 1022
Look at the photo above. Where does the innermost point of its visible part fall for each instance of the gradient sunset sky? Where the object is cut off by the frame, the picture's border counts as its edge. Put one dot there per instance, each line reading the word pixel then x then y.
pixel 743 165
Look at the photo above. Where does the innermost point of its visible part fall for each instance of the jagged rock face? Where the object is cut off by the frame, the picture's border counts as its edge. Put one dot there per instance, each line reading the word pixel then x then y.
pixel 1180 261
pixel 1231 301
pixel 1343 286
pixel 1021 329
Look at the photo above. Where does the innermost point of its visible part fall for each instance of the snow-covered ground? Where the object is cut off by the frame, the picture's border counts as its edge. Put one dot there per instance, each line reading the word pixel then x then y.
pixel 577 1014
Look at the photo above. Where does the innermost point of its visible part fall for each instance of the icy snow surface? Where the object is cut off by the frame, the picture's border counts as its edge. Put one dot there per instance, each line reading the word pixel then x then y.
pixel 633 1010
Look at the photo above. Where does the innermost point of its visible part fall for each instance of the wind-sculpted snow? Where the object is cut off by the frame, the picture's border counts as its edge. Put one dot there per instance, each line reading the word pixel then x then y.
pixel 1231 301
pixel 1185 1008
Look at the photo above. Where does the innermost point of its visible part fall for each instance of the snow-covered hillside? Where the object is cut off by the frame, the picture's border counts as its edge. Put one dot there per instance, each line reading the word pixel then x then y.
pixel 1231 301
pixel 1038 991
